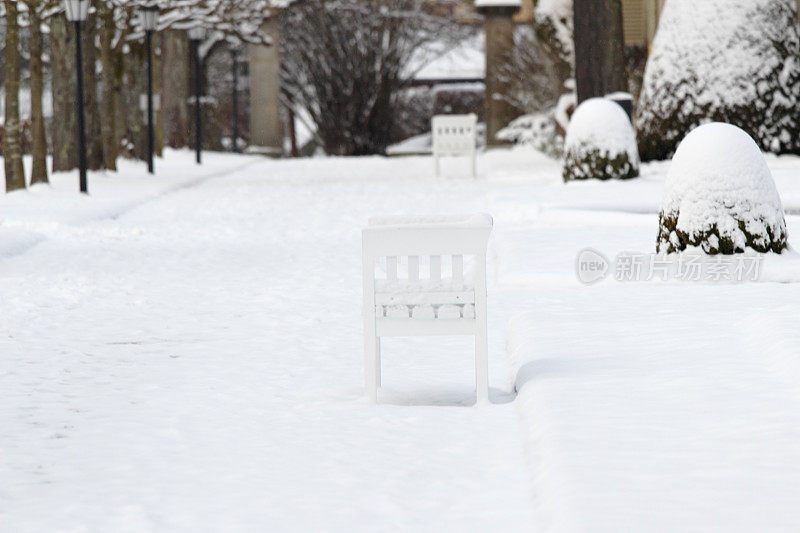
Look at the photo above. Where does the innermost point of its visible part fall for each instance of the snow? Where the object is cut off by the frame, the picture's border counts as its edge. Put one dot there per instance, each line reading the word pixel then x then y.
pixel 184 352
pixel 559 14
pixel 538 131
pixel 723 79
pixel 423 144
pixel 497 3
pixel 557 9
pixel 719 177
pixel 601 124
pixel 468 221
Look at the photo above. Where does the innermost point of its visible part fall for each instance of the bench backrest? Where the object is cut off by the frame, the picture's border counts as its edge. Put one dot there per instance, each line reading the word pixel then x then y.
pixel 438 245
pixel 454 134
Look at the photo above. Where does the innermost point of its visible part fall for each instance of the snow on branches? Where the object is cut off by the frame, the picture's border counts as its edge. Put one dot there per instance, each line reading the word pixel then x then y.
pixel 735 61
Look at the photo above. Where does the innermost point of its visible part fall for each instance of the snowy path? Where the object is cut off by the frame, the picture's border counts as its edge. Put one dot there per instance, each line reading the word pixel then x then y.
pixel 194 363
pixel 183 353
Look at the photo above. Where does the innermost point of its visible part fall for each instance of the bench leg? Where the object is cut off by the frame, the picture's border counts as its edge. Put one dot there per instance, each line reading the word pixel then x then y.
pixel 481 336
pixel 378 361
pixel 481 366
pixel 370 367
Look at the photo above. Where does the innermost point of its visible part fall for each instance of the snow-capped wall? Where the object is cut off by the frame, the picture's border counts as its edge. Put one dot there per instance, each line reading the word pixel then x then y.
pixel 600 143
pixel 720 196
pixel 735 61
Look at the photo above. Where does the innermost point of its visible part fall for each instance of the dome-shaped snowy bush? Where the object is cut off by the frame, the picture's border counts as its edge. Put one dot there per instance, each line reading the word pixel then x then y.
pixel 719 196
pixel 600 143
pixel 734 61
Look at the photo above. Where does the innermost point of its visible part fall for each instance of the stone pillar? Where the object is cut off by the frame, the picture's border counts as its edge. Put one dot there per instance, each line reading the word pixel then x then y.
pixel 526 12
pixel 266 126
pixel 499 23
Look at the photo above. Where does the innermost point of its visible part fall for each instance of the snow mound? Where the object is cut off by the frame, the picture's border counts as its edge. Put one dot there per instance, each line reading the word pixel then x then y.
pixel 734 61
pixel 600 143
pixel 720 197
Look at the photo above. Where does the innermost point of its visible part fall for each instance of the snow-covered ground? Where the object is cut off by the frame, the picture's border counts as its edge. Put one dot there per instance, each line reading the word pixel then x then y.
pixel 183 353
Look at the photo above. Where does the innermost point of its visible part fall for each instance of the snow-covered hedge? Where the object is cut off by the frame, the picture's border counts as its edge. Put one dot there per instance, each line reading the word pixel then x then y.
pixel 734 61
pixel 600 143
pixel 720 197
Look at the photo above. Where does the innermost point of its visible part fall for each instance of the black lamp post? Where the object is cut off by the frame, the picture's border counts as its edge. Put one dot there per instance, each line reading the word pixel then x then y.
pixel 77 11
pixel 196 36
pixel 148 17
pixel 235 60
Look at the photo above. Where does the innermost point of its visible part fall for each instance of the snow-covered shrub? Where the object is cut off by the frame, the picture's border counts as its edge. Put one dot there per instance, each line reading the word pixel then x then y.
pixel 734 61
pixel 600 143
pixel 543 131
pixel 720 196
pixel 538 131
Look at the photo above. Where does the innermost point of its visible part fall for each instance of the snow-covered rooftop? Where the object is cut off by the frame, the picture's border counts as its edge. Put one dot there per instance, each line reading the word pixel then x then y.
pixel 465 62
pixel 497 3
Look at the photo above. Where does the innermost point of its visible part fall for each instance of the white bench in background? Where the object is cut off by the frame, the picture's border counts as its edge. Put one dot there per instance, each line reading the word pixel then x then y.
pixel 455 135
pixel 415 297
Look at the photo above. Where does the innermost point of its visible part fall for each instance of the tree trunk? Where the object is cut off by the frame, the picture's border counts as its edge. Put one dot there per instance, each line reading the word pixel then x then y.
pixel 109 84
pixel 12 137
pixel 121 96
pixel 599 48
pixel 158 124
pixel 62 68
pixel 136 82
pixel 175 77
pixel 39 173
pixel 94 139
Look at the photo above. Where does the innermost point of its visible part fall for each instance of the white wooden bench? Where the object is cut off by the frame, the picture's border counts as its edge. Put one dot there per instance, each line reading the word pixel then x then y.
pixel 455 135
pixel 422 286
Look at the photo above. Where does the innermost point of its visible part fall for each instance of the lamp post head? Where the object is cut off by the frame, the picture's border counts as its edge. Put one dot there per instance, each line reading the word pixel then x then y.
pixel 197 33
pixel 76 10
pixel 148 17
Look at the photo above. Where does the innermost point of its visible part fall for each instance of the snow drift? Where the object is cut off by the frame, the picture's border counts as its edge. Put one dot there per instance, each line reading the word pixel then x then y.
pixel 600 143
pixel 720 196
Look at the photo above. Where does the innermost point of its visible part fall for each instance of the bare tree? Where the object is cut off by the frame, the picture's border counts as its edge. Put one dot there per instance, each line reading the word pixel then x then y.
pixel 110 57
pixel 37 12
pixel 345 62
pixel 12 137
pixel 536 70
pixel 175 73
pixel 62 71
pixel 94 137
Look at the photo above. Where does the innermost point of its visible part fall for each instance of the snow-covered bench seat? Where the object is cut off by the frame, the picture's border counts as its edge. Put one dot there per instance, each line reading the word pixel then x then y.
pixel 416 283
pixel 454 135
